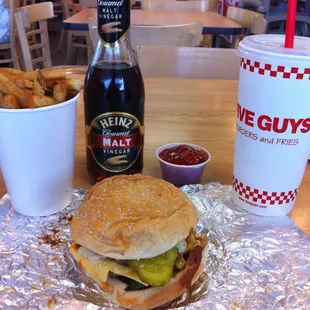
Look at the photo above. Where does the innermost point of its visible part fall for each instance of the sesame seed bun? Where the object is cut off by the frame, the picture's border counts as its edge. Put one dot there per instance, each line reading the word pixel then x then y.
pixel 133 217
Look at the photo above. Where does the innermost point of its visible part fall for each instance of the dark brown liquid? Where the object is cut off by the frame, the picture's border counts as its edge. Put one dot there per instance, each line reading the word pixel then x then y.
pixel 113 88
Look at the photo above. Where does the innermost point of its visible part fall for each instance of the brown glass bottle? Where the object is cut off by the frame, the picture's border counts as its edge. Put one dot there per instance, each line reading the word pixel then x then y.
pixel 114 98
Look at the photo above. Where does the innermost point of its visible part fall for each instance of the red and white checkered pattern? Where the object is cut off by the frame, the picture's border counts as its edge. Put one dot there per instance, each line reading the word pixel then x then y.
pixel 263 197
pixel 275 71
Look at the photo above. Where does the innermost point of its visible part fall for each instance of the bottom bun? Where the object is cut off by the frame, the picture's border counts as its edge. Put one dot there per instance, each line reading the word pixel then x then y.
pixel 153 297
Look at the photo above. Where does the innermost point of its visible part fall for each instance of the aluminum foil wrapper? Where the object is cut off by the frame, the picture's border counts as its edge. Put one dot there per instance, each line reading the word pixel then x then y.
pixel 254 262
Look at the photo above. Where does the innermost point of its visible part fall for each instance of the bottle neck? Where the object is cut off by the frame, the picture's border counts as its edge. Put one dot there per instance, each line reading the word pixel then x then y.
pixel 120 53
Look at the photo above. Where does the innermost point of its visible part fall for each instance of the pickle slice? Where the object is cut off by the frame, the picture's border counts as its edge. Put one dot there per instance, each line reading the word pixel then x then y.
pixel 158 270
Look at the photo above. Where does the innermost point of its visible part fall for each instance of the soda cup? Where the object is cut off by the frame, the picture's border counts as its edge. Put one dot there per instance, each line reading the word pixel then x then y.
pixel 273 123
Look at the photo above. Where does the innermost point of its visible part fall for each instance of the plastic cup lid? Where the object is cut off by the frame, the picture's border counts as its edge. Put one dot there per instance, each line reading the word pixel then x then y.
pixel 270 47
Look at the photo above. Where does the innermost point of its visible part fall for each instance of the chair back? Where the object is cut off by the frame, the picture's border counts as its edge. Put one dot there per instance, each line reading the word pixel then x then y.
pixel 89 4
pixel 244 18
pixel 176 35
pixel 69 8
pixel 173 5
pixel 187 35
pixel 188 62
pixel 34 52
pixel 27 2
pixel 211 5
pixel 93 32
pixel 259 25
pixel 10 46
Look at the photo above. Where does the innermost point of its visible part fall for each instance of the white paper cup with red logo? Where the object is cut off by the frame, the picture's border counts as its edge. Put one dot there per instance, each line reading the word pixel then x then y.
pixel 37 149
pixel 273 124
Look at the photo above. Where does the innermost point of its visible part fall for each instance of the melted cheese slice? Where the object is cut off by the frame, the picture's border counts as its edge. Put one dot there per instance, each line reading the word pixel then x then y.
pixel 101 267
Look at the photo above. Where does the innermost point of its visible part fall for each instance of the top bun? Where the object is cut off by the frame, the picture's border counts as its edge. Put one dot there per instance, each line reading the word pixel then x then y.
pixel 133 217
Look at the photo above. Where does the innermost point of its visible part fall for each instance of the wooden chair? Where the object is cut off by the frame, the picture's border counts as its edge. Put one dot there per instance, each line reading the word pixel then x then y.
pixel 188 62
pixel 302 23
pixel 211 5
pixel 93 32
pixel 176 35
pixel 77 39
pixel 244 18
pixel 25 17
pixel 9 49
pixel 68 8
pixel 32 39
pixel 173 5
pixel 259 25
pixel 187 35
pixel 59 9
pixel 89 4
pixel 27 2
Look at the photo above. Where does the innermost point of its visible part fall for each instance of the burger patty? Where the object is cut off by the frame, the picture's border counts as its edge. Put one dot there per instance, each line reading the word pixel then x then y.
pixel 102 268
pixel 132 285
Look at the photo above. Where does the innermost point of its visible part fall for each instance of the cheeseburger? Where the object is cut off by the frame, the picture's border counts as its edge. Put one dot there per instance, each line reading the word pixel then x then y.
pixel 135 236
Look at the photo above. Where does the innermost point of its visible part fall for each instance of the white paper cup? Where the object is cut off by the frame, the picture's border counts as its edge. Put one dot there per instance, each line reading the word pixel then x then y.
pixel 37 149
pixel 273 124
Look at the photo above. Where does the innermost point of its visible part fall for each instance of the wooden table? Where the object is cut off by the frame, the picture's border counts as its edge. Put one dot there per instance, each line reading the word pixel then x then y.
pixel 188 110
pixel 213 23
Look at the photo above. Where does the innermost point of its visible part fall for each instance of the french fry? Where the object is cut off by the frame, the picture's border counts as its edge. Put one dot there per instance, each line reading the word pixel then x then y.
pixel 40 101
pixel 10 70
pixel 29 92
pixel 9 102
pixel 74 85
pixel 8 87
pixel 52 74
pixel 50 84
pixel 60 91
pixel 29 75
pixel 24 84
pixel 39 85
pixel 28 84
pixel 20 84
pixel 11 73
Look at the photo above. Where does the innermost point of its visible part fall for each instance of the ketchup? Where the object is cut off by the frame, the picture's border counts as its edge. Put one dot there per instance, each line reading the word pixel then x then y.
pixel 183 155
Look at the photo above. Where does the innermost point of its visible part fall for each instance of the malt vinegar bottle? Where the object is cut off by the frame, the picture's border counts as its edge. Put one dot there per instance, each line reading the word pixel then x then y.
pixel 114 98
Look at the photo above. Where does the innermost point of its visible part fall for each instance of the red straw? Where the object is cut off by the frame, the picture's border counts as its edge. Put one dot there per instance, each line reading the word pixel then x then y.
pixel 290 23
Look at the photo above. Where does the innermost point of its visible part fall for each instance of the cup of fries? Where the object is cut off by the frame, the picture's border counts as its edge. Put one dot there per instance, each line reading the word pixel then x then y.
pixel 37 138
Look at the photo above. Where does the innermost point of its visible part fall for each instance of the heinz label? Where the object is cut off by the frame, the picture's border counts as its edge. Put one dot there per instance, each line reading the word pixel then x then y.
pixel 113 21
pixel 115 140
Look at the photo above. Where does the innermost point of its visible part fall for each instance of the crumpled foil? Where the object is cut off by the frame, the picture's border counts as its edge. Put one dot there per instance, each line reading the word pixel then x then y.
pixel 254 262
